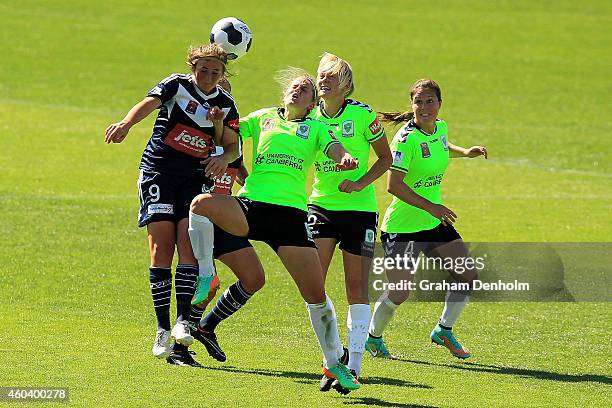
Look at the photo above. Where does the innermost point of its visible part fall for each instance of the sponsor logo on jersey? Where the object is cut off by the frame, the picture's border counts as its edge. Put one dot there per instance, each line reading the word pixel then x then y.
pixel 425 150
pixel 234 124
pixel 444 142
pixel 160 209
pixel 190 141
pixel 370 235
pixel 282 159
pixel 398 157
pixel 223 184
pixel 192 107
pixel 328 166
pixel 430 181
pixel 332 134
pixel 268 124
pixel 303 130
pixel 375 126
pixel 348 128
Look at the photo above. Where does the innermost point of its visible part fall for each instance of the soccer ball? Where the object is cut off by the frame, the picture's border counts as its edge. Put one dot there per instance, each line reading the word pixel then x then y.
pixel 233 35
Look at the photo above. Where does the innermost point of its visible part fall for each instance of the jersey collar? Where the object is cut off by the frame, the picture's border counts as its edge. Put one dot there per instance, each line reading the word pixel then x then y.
pixel 326 115
pixel 413 124
pixel 202 94
pixel 281 114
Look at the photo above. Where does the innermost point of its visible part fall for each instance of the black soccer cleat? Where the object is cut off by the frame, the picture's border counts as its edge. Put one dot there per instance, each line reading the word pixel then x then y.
pixel 326 383
pixel 336 385
pixel 182 357
pixel 209 340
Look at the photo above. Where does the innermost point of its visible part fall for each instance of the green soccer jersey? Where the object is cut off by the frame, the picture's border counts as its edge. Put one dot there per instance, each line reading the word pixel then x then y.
pixel 283 152
pixel 356 126
pixel 424 159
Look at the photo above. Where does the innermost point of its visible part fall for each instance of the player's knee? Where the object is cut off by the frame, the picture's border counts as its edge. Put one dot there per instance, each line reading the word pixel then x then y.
pixel 161 254
pixel 201 204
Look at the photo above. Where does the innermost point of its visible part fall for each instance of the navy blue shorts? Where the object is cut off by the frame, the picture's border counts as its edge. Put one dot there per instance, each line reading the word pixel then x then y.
pixel 167 198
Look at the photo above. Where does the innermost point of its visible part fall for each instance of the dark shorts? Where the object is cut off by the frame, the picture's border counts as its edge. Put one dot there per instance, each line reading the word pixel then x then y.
pixel 276 225
pixel 354 230
pixel 413 243
pixel 226 243
pixel 165 197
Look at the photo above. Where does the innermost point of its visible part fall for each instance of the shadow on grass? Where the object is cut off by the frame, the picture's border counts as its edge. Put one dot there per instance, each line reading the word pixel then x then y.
pixel 375 402
pixel 520 372
pixel 309 378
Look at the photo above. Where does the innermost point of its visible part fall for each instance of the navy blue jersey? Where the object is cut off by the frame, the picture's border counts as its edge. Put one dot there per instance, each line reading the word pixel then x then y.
pixel 182 135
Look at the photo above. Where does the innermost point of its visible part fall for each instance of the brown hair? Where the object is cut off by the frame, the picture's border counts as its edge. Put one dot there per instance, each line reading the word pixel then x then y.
pixel 337 66
pixel 399 117
pixel 206 51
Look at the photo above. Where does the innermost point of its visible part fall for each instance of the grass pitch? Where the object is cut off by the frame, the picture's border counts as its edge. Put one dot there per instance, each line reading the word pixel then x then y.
pixel 530 80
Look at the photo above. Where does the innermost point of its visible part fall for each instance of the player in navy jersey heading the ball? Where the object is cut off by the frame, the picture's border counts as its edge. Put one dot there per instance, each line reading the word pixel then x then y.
pixel 195 115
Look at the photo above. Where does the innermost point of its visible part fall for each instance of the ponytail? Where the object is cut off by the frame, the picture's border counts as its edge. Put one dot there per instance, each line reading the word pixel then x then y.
pixel 395 117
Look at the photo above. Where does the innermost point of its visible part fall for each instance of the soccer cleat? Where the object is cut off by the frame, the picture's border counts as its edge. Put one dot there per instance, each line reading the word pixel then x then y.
pixel 182 334
pixel 344 391
pixel 446 338
pixel 205 285
pixel 162 347
pixel 209 340
pixel 183 358
pixel 377 348
pixel 341 373
pixel 326 383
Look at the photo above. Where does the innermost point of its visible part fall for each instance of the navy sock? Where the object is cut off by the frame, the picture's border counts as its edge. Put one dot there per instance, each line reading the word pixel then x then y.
pixel 195 316
pixel 160 282
pixel 184 284
pixel 229 303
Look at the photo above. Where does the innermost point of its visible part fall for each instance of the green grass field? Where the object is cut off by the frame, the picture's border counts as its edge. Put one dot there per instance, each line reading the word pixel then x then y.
pixel 530 80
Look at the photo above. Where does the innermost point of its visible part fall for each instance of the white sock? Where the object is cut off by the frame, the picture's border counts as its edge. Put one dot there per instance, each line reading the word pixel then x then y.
pixel 202 236
pixel 454 302
pixel 383 312
pixel 325 326
pixel 357 322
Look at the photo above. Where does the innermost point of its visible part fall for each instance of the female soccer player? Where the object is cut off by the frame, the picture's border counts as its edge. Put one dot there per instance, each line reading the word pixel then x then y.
pixel 417 216
pixel 271 206
pixel 342 208
pixel 194 115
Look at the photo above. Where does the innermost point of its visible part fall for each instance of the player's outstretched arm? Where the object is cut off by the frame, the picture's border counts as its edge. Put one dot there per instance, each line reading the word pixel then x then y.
pixel 474 151
pixel 397 187
pixel 116 132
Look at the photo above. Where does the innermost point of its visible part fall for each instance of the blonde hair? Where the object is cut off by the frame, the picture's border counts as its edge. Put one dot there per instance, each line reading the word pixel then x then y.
pixel 337 66
pixel 285 78
pixel 399 117
pixel 206 51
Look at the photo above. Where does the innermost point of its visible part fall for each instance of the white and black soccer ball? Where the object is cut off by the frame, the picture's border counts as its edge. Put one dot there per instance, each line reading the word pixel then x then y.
pixel 233 35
